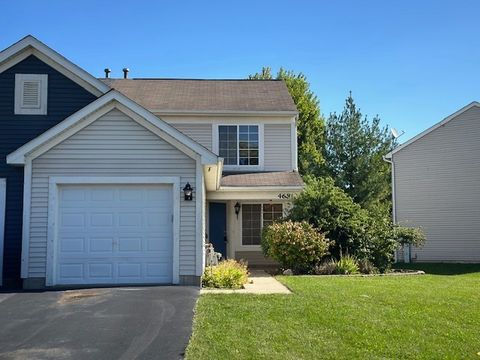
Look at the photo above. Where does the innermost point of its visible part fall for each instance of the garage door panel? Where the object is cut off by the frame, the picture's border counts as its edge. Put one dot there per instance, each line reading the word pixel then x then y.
pixel 102 219
pixel 72 219
pixel 130 244
pixel 101 244
pixel 73 245
pixel 71 271
pixel 72 196
pixel 114 234
pixel 130 219
pixel 100 271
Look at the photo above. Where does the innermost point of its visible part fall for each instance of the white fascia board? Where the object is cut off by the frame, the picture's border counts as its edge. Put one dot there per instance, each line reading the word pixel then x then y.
pixel 94 110
pixel 8 59
pixel 432 128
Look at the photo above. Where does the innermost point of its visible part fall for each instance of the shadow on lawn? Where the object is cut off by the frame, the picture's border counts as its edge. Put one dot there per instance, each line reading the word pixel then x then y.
pixel 441 268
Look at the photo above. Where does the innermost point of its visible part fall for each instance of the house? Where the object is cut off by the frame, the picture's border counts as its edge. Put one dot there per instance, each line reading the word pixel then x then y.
pixel 436 186
pixel 123 181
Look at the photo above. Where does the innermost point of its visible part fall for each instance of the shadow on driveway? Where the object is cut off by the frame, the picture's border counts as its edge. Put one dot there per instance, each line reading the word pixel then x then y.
pixel 102 323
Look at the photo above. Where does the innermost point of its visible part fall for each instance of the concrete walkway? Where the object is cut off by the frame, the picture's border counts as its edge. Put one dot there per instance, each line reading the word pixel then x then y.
pixel 259 283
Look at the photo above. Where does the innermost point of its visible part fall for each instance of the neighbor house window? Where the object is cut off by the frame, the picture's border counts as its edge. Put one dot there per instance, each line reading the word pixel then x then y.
pixel 239 145
pixel 255 217
pixel 31 91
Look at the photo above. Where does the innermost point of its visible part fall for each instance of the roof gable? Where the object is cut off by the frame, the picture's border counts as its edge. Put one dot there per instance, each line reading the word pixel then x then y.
pixel 432 128
pixel 29 45
pixel 96 109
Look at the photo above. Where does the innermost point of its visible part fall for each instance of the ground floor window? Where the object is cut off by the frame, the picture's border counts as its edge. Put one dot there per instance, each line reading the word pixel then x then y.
pixel 255 217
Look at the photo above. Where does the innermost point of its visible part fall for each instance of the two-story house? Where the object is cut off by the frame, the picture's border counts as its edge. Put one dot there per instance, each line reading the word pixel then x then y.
pixel 123 181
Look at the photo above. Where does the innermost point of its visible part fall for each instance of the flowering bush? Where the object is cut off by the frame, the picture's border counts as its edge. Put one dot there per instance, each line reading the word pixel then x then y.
pixel 295 245
pixel 228 274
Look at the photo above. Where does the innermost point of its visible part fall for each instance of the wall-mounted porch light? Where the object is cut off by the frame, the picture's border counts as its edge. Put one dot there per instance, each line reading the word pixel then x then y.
pixel 237 208
pixel 188 192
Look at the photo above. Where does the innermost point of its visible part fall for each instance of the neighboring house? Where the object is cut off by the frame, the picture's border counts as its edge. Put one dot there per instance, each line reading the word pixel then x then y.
pixel 95 173
pixel 436 185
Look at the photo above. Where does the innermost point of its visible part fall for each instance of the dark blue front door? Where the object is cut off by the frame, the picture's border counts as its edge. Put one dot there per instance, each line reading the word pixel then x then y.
pixel 217 233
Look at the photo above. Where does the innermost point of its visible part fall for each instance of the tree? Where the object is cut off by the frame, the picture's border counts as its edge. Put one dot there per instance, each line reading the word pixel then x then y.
pixel 310 123
pixel 354 150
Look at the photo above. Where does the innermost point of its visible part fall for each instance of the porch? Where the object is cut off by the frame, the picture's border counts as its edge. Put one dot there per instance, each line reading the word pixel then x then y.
pixel 238 211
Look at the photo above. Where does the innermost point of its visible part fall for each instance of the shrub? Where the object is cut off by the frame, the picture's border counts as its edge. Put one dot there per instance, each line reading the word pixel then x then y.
pixel 228 274
pixel 366 234
pixel 295 245
pixel 327 267
pixel 347 265
pixel 329 208
pixel 365 266
pixel 409 235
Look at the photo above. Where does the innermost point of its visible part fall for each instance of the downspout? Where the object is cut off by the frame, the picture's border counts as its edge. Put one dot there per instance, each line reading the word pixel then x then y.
pixel 394 208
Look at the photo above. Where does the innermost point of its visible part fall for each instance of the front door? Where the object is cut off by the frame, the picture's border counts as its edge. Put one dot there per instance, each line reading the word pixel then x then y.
pixel 218 227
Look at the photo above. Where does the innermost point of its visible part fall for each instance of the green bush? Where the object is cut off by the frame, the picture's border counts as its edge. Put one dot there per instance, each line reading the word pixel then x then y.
pixel 228 274
pixel 295 245
pixel 346 265
pixel 326 267
pixel 366 234
pixel 330 209
pixel 365 266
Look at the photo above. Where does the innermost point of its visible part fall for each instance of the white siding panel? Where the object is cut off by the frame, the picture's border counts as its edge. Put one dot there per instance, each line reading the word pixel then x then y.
pixel 201 133
pixel 278 147
pixel 114 145
pixel 437 186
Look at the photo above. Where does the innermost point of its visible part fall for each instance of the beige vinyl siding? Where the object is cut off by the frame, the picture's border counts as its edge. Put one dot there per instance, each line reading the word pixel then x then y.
pixel 113 145
pixel 278 147
pixel 201 133
pixel 437 187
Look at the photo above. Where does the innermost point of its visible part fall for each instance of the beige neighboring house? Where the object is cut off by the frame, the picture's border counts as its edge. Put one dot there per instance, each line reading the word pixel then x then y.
pixel 436 185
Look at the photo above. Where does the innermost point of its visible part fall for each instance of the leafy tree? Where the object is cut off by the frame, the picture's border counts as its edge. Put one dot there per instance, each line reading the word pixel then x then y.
pixel 354 150
pixel 310 123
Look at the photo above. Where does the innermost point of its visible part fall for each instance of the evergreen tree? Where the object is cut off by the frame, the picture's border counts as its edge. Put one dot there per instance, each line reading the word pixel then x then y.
pixel 354 150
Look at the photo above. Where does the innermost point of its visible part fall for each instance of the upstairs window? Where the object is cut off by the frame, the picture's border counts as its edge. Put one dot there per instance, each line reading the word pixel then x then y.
pixel 31 91
pixel 239 145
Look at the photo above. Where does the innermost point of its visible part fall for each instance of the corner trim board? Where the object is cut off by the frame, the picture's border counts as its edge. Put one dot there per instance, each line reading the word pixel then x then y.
pixel 27 198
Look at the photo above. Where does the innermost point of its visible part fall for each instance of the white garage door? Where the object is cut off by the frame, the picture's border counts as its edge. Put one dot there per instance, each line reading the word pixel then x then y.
pixel 114 234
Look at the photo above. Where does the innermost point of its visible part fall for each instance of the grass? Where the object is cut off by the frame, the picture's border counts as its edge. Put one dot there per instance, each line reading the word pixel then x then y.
pixel 434 316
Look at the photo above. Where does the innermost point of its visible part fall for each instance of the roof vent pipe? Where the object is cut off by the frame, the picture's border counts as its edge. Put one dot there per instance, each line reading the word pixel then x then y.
pixel 125 72
pixel 107 72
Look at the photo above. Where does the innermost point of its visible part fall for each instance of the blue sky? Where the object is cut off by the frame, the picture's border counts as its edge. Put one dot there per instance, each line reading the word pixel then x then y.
pixel 411 62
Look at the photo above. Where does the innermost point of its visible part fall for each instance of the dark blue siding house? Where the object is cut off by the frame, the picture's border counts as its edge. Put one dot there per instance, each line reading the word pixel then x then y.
pixel 64 98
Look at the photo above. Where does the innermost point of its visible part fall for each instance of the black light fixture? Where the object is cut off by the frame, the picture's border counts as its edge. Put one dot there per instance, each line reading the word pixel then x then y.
pixel 237 208
pixel 188 192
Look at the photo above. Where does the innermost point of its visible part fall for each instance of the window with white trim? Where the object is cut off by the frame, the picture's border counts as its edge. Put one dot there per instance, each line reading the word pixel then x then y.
pixel 255 217
pixel 31 92
pixel 239 145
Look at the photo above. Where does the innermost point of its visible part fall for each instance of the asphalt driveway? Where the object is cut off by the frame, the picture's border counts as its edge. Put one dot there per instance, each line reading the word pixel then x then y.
pixel 108 323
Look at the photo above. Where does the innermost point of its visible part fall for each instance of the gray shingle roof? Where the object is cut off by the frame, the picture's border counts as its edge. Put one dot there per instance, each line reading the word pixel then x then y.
pixel 207 95
pixel 284 178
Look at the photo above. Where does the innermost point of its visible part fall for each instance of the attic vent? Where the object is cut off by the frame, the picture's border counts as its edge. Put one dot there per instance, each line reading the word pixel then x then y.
pixel 31 92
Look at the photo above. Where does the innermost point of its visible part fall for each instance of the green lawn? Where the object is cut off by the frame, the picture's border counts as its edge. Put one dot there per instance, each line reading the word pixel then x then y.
pixel 435 316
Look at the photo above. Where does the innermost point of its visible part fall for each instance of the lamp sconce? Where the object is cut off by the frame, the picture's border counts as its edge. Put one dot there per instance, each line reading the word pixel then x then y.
pixel 237 208
pixel 188 192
